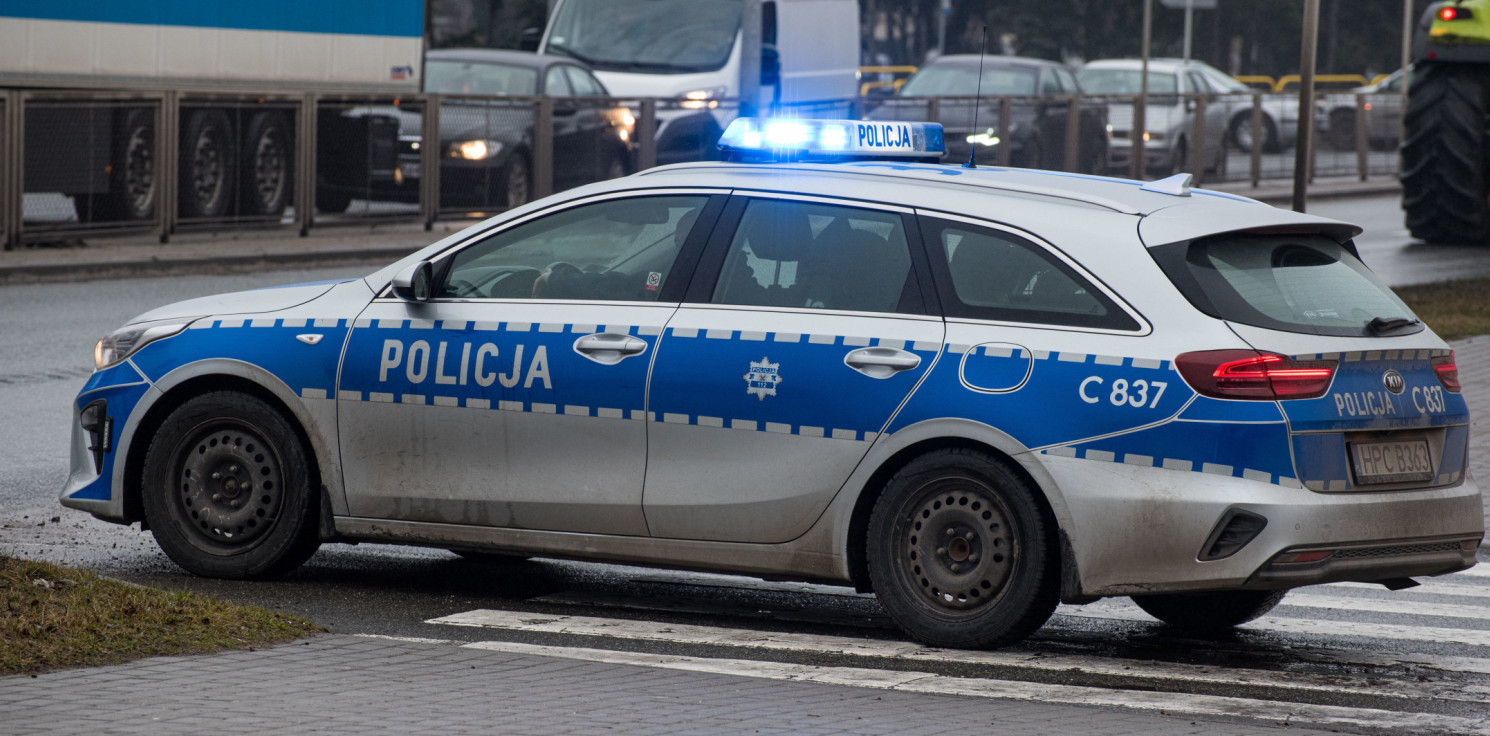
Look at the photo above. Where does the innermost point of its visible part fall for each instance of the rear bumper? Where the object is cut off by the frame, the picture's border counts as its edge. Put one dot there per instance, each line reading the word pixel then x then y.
pixel 1137 530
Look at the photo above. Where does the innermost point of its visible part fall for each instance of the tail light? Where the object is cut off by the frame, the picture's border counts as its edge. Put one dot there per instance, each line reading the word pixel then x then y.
pixel 1253 375
pixel 1447 371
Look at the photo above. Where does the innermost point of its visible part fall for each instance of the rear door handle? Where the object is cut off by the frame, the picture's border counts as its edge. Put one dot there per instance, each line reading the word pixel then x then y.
pixel 881 362
pixel 609 348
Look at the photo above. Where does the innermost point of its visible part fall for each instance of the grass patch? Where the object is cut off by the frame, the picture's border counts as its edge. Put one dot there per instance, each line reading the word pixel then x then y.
pixel 1454 309
pixel 55 617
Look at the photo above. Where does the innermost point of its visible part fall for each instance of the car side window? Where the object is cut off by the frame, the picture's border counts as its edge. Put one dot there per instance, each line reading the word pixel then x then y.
pixel 615 250
pixel 555 84
pixel 1051 85
pixel 584 84
pixel 997 275
pixel 816 256
pixel 1068 82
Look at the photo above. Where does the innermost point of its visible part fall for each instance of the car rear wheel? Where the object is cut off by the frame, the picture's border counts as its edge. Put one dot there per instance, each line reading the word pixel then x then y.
pixel 227 490
pixel 1241 133
pixel 517 182
pixel 959 553
pixel 1445 162
pixel 1209 611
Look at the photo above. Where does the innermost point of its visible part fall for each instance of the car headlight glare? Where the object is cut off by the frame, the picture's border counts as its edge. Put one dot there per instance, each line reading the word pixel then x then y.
pixel 478 149
pixel 118 345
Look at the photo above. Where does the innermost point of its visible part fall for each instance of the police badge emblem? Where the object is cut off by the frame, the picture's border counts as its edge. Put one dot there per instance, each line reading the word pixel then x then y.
pixel 762 379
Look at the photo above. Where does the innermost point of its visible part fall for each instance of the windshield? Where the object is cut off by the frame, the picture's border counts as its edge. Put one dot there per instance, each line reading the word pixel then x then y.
pixel 670 36
pixel 961 80
pixel 1295 283
pixel 1125 82
pixel 477 78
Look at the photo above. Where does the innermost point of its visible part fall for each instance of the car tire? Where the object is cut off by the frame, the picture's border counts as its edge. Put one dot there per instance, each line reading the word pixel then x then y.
pixel 266 182
pixel 332 201
pixel 1445 159
pixel 228 491
pixel 959 552
pixel 1209 611
pixel 1241 133
pixel 208 165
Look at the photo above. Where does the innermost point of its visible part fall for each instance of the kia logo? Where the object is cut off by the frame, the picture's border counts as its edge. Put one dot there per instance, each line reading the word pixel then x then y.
pixel 1393 381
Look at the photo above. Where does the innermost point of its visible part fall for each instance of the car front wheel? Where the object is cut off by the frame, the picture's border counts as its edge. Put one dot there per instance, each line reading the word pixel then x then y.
pixel 959 553
pixel 227 489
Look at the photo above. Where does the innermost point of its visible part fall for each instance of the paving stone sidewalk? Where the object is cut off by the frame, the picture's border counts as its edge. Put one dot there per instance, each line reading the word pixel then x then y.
pixel 355 685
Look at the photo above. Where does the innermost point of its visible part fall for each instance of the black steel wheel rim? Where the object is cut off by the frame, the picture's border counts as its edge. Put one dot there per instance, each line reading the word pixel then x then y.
pixel 269 168
pixel 207 168
pixel 139 170
pixel 517 183
pixel 955 546
pixel 228 486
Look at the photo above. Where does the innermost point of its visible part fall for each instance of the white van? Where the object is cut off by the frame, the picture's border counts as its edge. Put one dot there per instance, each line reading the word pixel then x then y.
pixel 700 52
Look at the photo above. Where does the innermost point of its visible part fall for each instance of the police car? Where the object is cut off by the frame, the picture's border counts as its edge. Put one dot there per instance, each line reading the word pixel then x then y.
pixel 976 392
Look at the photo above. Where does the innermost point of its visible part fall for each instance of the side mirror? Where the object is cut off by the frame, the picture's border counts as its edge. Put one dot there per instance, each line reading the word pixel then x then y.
pixel 415 283
pixel 530 38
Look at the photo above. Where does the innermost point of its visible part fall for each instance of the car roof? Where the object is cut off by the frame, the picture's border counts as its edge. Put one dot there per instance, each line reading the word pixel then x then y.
pixel 992 61
pixel 1155 64
pixel 1082 213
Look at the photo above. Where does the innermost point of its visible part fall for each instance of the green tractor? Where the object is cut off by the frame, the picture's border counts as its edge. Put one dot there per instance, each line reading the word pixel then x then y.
pixel 1446 136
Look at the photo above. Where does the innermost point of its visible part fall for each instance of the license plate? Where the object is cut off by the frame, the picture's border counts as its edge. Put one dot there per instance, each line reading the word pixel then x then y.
pixel 1391 462
pixel 412 170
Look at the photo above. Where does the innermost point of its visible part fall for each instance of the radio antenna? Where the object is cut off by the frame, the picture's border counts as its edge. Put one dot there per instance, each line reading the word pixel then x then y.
pixel 973 144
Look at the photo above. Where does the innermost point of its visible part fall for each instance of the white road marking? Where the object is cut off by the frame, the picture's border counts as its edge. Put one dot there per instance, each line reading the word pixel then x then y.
pixel 923 682
pixel 1459 588
pixel 1115 609
pixel 1410 607
pixel 1159 672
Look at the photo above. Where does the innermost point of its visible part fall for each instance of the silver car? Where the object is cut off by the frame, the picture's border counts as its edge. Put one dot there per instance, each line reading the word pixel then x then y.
pixel 976 392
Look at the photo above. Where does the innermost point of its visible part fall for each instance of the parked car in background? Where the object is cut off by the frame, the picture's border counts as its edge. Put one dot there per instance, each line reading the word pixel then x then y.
pixel 1037 128
pixel 486 147
pixel 1170 112
pixel 1383 114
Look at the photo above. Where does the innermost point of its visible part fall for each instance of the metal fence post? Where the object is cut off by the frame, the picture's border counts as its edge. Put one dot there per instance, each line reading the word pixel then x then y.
pixel 646 136
pixel 1073 133
pixel 1256 152
pixel 168 169
pixel 1362 158
pixel 12 209
pixel 1006 111
pixel 934 111
pixel 543 148
pixel 1197 142
pixel 429 162
pixel 305 163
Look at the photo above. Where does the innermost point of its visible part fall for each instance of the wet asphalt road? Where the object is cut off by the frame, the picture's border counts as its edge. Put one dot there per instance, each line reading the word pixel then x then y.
pixel 375 589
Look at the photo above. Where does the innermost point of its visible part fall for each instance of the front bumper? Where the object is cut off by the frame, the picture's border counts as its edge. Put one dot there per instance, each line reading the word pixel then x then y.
pixel 1137 530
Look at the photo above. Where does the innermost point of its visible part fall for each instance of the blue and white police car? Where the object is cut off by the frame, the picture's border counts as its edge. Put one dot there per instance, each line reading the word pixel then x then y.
pixel 976 392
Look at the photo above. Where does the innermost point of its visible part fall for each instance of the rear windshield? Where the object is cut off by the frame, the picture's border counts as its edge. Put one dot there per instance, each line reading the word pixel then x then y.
pixel 1294 283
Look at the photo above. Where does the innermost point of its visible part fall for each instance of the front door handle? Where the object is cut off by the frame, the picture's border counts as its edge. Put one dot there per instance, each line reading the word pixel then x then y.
pixel 881 362
pixel 609 348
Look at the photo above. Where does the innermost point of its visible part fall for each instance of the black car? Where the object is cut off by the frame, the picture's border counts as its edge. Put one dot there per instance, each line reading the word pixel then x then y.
pixel 1037 129
pixel 486 145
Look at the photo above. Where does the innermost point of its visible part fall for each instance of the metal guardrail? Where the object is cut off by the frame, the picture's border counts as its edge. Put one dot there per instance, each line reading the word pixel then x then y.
pixel 94 163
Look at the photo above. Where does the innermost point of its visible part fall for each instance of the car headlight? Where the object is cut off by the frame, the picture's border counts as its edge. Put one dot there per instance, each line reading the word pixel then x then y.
pixel 1153 135
pixel 701 98
pixel 478 149
pixel 118 345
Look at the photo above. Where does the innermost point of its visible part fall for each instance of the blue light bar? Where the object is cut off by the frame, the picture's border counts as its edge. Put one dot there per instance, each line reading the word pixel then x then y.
pixel 765 139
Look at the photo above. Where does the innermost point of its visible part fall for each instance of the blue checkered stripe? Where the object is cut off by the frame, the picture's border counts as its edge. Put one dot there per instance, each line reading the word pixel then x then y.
pixel 268 342
pixel 811 362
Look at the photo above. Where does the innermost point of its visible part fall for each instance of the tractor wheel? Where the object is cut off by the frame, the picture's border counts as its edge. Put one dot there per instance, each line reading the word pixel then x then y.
pixel 1445 166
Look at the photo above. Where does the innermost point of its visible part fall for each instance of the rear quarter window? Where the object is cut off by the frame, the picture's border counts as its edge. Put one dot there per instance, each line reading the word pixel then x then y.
pixel 1294 283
